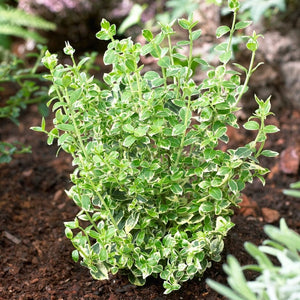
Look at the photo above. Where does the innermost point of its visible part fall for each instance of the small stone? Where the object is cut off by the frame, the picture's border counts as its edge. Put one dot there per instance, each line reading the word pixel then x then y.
pixel 270 215
pixel 248 207
pixel 289 161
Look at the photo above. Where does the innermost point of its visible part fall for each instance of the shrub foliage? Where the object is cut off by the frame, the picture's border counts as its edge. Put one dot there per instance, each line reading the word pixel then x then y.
pixel 154 189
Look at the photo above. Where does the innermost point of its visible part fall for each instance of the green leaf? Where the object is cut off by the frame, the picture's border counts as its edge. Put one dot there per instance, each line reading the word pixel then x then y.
pixel 151 75
pixel 241 67
pixel 130 64
pixel 72 224
pixel 233 186
pixel 242 152
pixel 147 34
pixel 183 43
pixel 58 104
pixel 99 271
pixel 269 153
pixel 295 185
pixel 206 207
pixel 164 62
pixel 129 140
pixel 251 125
pixel 110 57
pixel 131 222
pixel 196 34
pixel 292 193
pixel 104 24
pixel 179 56
pixel 68 233
pixel 128 128
pixel 260 257
pixel 66 80
pixel 242 25
pixel 270 129
pixel 200 61
pixel 225 57
pixel 252 45
pixel 178 129
pixel 216 193
pixel 75 255
pixel 222 47
pixel 176 189
pixel 191 270
pixel 75 95
pixel 221 31
pixel 165 144
pixel 65 127
pixel 103 255
pixel 185 113
pixel 185 24
pixel 141 131
pixel 147 174
pixel 148 48
pixel 140 238
pixel 85 202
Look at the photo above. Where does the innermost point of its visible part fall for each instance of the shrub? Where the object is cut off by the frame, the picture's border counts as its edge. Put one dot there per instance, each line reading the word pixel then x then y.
pixel 275 282
pixel 154 189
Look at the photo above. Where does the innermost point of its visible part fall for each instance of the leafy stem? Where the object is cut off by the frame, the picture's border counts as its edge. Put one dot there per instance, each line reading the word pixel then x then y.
pixel 190 54
pixel 186 119
pixel 232 30
pixel 248 75
pixel 86 156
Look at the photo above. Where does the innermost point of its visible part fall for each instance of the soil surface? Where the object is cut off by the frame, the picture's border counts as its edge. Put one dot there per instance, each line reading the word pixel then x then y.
pixel 35 255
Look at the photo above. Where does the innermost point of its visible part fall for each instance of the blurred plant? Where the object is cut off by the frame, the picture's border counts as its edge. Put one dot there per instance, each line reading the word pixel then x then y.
pixel 274 282
pixel 133 18
pixel 16 22
pixel 177 9
pixel 7 150
pixel 256 9
pixel 29 90
pixel 292 192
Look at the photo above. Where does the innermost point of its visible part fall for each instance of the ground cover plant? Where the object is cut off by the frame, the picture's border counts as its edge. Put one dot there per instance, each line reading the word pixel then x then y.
pixel 274 281
pixel 155 191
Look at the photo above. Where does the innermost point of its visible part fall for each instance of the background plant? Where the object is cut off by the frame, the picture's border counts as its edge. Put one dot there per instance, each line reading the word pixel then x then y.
pixel 256 9
pixel 154 190
pixel 294 190
pixel 17 23
pixel 26 81
pixel 29 89
pixel 275 282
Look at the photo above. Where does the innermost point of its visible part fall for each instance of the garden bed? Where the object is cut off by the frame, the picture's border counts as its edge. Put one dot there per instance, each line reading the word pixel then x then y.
pixel 36 256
